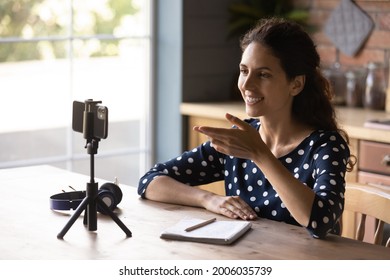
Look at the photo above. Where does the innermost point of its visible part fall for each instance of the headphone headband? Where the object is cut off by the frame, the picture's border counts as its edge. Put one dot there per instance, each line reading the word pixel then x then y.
pixel 67 200
pixel 109 193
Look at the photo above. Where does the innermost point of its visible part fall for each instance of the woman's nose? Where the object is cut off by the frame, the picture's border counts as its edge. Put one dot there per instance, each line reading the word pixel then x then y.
pixel 247 82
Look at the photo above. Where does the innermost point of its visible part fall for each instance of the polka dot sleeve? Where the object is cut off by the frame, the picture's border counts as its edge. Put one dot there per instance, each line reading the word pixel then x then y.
pixel 330 157
pixel 202 165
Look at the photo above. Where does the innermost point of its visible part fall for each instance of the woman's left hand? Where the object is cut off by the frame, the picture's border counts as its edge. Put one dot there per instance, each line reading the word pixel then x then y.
pixel 243 142
pixel 230 206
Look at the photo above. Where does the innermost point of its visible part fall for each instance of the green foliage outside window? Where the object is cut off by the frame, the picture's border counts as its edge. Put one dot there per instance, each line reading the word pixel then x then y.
pixel 46 25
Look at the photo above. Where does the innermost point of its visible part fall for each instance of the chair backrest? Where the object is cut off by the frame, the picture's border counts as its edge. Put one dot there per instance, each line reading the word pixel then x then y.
pixel 369 200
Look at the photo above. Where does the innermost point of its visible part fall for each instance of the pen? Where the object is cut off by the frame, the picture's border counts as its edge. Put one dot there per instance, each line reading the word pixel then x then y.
pixel 202 224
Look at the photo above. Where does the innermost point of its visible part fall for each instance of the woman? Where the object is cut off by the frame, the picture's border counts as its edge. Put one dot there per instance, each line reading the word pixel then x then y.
pixel 289 164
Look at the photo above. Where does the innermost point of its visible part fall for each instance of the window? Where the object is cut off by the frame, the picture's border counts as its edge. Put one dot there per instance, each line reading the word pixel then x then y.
pixel 53 52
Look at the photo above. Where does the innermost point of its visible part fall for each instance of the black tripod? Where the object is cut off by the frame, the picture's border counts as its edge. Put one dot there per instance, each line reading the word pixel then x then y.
pixel 90 202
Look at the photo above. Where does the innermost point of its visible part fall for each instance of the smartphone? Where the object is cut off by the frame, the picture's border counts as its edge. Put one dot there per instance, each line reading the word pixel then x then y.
pixel 100 119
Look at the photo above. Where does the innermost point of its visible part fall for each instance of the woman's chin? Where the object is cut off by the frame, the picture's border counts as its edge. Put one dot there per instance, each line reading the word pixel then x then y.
pixel 252 113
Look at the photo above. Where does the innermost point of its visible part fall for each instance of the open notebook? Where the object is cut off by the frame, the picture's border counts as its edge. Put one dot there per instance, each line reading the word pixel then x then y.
pixel 218 232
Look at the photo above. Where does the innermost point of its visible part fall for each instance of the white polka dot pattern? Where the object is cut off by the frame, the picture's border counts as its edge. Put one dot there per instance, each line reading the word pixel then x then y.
pixel 319 161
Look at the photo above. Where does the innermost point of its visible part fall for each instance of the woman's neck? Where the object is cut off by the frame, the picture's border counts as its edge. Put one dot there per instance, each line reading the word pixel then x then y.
pixel 282 137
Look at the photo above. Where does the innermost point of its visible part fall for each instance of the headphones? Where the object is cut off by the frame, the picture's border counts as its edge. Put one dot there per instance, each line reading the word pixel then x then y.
pixel 109 193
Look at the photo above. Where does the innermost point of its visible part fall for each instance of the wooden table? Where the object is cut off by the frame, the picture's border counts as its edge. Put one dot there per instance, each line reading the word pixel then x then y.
pixel 29 228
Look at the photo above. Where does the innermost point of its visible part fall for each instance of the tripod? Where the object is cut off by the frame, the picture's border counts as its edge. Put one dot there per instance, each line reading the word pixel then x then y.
pixel 90 202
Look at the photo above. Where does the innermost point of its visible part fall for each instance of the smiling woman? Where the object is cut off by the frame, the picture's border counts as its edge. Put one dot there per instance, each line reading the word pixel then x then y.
pixel 259 69
pixel 287 164
pixel 54 52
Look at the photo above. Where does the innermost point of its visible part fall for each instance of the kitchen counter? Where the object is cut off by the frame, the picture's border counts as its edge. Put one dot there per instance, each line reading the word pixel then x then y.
pixel 351 119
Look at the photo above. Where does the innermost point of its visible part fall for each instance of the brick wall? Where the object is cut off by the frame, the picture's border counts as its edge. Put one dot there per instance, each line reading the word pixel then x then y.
pixel 377 46
pixel 210 62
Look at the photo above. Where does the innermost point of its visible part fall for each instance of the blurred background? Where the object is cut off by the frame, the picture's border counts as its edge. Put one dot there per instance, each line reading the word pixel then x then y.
pixel 55 51
pixel 142 59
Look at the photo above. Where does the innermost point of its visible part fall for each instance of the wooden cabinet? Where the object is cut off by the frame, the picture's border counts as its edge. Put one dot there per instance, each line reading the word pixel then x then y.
pixel 374 157
pixel 370 145
pixel 373 168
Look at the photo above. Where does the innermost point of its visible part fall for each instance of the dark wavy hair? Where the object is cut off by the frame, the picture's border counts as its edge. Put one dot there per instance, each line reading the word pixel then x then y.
pixel 298 55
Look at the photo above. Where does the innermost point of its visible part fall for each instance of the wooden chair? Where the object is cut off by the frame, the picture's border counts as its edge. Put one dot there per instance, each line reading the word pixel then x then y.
pixel 369 200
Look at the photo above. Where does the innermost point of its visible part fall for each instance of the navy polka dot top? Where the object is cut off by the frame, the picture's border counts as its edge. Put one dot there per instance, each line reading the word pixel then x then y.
pixel 319 161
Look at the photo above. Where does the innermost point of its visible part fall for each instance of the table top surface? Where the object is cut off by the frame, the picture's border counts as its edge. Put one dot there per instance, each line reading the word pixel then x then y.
pixel 29 228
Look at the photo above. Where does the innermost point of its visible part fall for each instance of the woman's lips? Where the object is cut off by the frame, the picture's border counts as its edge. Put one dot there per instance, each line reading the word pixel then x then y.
pixel 253 100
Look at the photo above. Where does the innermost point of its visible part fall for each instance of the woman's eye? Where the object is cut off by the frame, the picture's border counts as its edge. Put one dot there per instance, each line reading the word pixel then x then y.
pixel 244 71
pixel 264 75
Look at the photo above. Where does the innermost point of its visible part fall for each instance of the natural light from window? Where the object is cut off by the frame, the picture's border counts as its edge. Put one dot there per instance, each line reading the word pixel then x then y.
pixel 55 51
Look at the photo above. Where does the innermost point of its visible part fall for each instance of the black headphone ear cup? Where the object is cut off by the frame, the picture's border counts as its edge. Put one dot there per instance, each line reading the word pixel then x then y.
pixel 108 198
pixel 115 190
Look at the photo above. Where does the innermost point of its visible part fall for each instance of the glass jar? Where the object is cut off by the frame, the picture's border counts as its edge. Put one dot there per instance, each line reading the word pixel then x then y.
pixel 353 96
pixel 375 92
pixel 336 76
pixel 356 80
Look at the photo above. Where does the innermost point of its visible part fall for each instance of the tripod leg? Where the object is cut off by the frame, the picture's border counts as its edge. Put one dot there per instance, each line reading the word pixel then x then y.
pixel 74 217
pixel 113 216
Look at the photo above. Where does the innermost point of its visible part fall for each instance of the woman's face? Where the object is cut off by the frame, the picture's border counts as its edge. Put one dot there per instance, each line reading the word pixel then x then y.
pixel 263 83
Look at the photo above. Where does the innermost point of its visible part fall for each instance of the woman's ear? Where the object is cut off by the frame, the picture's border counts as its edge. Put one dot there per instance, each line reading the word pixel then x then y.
pixel 297 85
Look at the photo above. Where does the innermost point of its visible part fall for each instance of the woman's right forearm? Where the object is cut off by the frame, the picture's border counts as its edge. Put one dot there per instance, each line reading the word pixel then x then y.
pixel 166 189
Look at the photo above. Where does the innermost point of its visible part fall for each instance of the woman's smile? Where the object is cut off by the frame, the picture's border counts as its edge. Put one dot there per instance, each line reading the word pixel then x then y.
pixel 249 100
